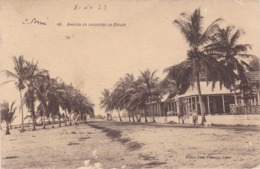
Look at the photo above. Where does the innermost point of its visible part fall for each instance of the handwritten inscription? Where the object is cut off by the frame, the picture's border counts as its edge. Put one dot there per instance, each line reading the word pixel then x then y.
pixel 90 7
pixel 34 21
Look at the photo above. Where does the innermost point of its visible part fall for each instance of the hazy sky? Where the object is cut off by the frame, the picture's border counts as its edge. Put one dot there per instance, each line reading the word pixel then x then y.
pixel 94 58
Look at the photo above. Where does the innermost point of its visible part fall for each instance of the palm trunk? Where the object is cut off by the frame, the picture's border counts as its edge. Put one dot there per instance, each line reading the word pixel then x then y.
pixel 145 115
pixel 44 114
pixel 70 119
pixel 43 125
pixel 33 119
pixel 86 118
pixel 64 119
pixel 153 115
pixel 137 119
pixel 53 120
pixel 119 115
pixel 107 116
pixel 33 112
pixel 202 107
pixel 129 117
pixel 59 121
pixel 21 109
pixel 111 118
pixel 133 116
pixel 42 120
pixel 7 132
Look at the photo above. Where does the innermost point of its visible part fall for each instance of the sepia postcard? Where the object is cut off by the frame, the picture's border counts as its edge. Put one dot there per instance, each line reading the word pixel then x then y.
pixel 130 84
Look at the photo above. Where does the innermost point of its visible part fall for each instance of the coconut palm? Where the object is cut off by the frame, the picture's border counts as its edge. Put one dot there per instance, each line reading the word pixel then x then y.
pixel 198 60
pixel 148 88
pixel 7 114
pixel 231 54
pixel 106 103
pixel 122 94
pixel 32 73
pixel 66 101
pixel 116 98
pixel 255 64
pixel 19 76
pixel 43 85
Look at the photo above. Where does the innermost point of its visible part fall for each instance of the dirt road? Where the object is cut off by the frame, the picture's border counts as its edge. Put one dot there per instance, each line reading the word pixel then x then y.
pixel 123 145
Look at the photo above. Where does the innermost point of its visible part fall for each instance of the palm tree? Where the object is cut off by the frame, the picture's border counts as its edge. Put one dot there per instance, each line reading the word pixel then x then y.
pixel 66 101
pixel 7 114
pixel 231 54
pixel 32 73
pixel 255 64
pixel 106 103
pixel 19 76
pixel 127 91
pixel 117 96
pixel 198 60
pixel 43 85
pixel 148 88
pixel 122 93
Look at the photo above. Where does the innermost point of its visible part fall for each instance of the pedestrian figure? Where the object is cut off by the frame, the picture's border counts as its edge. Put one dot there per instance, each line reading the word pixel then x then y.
pixel 195 118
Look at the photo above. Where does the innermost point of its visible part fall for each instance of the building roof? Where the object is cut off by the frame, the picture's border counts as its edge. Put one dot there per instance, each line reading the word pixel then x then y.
pixel 253 77
pixel 206 89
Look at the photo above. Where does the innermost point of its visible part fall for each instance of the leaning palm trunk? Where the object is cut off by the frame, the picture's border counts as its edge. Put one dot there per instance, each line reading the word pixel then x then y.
pixel 202 107
pixel 119 115
pixel 21 109
pixel 138 119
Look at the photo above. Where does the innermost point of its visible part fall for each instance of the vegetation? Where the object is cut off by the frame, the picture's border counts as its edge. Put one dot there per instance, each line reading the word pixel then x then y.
pixel 214 54
pixel 7 115
pixel 132 95
pixel 47 94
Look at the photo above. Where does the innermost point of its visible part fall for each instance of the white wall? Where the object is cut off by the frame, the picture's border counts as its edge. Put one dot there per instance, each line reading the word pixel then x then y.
pixel 217 119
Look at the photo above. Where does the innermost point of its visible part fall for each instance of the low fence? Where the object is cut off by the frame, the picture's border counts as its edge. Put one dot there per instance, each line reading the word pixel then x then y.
pixel 245 109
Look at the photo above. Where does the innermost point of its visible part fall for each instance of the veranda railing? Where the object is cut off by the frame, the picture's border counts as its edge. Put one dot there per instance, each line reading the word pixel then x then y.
pixel 244 109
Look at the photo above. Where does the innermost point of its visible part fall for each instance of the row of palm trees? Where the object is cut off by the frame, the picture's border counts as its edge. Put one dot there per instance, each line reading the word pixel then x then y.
pixel 213 54
pixel 36 87
pixel 133 95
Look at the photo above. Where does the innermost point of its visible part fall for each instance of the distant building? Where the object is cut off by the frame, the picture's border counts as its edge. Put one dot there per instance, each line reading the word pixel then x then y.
pixel 217 100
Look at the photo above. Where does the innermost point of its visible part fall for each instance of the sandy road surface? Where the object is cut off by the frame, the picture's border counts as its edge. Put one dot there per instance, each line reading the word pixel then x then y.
pixel 117 145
